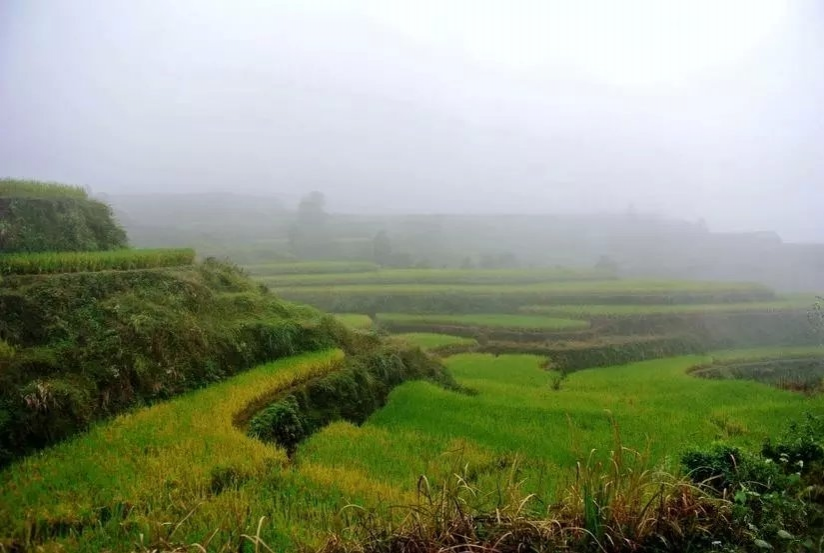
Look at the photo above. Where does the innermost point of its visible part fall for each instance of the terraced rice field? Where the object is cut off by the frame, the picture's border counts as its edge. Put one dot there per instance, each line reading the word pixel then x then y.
pixel 432 276
pixel 186 462
pixel 431 341
pixel 486 320
pixel 74 262
pixel 355 320
pixel 589 311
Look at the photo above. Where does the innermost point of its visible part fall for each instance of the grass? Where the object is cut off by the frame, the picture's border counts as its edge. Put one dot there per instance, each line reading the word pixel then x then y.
pixel 431 341
pixel 438 276
pixel 157 463
pixel 589 311
pixel 183 461
pixel 303 268
pixel 15 188
pixel 355 320
pixel 518 417
pixel 75 262
pixel 524 322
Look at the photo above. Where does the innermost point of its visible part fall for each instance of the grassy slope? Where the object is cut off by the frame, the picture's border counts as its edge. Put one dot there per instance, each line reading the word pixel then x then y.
pixel 89 345
pixel 161 461
pixel 487 320
pixel 516 412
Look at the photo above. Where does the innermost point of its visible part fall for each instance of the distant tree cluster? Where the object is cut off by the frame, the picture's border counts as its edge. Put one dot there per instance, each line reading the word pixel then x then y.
pixel 310 237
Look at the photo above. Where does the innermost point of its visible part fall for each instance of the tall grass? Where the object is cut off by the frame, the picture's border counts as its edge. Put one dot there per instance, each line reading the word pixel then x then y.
pixel 16 188
pixel 75 262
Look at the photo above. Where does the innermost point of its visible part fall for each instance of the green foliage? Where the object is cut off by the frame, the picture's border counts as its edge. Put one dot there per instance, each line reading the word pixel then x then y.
pixel 40 217
pixel 773 493
pixel 801 448
pixel 89 345
pixel 353 393
pixel 72 262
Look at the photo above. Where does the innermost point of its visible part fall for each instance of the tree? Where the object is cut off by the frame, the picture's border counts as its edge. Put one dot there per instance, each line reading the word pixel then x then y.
pixel 382 249
pixel 607 264
pixel 309 237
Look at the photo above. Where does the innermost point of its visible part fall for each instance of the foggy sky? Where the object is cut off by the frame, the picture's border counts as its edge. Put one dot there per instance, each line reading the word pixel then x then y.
pixel 429 106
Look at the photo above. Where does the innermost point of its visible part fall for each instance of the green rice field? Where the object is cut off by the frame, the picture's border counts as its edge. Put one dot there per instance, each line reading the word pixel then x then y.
pixel 525 322
pixel 125 480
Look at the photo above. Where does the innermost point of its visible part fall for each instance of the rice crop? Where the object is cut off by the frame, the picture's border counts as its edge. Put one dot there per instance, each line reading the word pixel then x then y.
pixel 431 341
pixel 182 473
pixel 157 463
pixel 435 276
pixel 525 322
pixel 15 188
pixel 310 268
pixel 508 298
pixel 589 311
pixel 75 262
pixel 355 320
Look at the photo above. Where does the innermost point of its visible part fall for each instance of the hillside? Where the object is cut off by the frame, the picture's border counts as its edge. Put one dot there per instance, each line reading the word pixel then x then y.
pixel 89 329
pixel 51 217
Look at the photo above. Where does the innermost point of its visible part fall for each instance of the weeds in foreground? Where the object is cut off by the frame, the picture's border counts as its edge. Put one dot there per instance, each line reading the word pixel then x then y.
pixel 617 502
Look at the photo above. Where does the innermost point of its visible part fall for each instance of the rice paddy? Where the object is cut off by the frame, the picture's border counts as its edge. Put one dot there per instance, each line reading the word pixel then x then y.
pixel 75 262
pixel 431 341
pixel 184 461
pixel 185 472
pixel 525 322
pixel 588 311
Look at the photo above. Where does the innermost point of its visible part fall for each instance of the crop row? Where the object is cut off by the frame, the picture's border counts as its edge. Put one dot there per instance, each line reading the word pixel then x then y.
pixel 436 298
pixel 598 311
pixel 486 321
pixel 311 268
pixel 13 188
pixel 432 276
pixel 75 262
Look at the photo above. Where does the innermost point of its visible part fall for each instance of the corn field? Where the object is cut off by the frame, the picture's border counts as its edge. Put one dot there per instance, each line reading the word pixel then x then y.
pixel 75 262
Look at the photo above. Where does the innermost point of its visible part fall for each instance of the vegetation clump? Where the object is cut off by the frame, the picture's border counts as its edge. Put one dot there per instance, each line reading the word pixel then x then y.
pixel 353 393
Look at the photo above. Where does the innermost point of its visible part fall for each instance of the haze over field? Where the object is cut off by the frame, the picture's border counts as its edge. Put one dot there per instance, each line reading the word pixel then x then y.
pixel 695 109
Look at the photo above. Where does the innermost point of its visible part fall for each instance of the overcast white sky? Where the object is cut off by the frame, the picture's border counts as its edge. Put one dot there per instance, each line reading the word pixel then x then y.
pixel 698 108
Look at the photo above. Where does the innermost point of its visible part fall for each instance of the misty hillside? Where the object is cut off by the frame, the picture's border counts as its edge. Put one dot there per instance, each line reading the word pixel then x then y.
pixel 251 229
